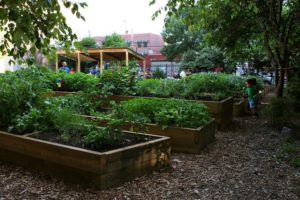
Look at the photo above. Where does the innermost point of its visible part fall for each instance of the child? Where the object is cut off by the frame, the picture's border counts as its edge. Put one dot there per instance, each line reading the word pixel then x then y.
pixel 72 71
pixel 250 92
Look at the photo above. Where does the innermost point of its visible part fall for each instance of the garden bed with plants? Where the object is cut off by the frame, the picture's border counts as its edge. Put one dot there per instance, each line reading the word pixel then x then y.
pixel 214 90
pixel 88 167
pixel 188 124
pixel 220 110
pixel 65 144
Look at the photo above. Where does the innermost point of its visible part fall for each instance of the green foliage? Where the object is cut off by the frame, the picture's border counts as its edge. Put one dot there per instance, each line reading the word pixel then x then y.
pixel 86 43
pixel 179 37
pixel 245 29
pixel 81 103
pixel 204 60
pixel 147 87
pixel 165 113
pixel 278 112
pixel 20 92
pixel 30 25
pixel 26 107
pixel 73 82
pixel 118 81
pixel 158 73
pixel 65 121
pixel 114 40
pixel 197 86
pixel 289 148
pixel 293 89
pixel 295 162
pixel 111 135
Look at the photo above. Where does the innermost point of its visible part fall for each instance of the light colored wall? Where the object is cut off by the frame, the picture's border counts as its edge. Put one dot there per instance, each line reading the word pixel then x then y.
pixel 4 64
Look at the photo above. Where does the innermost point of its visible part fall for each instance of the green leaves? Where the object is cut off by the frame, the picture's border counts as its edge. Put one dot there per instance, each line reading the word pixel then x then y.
pixel 168 112
pixel 114 40
pixel 30 25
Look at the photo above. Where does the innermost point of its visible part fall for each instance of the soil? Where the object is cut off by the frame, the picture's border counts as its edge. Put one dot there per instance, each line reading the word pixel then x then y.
pixel 240 164
pixel 76 140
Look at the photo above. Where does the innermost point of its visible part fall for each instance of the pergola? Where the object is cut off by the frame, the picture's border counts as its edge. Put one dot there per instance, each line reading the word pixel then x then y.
pixel 100 55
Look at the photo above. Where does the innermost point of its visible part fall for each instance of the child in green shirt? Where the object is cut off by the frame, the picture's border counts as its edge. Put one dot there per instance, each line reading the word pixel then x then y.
pixel 250 93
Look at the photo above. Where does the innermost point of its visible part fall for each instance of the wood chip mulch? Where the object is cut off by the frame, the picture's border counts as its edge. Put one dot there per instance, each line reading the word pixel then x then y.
pixel 240 164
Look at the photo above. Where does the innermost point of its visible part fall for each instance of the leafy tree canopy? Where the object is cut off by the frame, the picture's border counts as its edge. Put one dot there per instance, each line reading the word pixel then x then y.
pixel 85 43
pixel 29 25
pixel 114 40
pixel 179 38
pixel 231 24
pixel 204 60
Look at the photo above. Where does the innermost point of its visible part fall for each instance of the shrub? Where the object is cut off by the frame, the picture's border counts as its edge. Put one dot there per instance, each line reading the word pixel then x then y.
pixel 73 82
pixel 148 87
pixel 293 89
pixel 158 73
pixel 20 92
pixel 278 112
pixel 119 81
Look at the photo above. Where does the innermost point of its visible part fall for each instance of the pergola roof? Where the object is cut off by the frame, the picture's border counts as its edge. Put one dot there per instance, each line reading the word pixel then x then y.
pixel 100 55
pixel 107 53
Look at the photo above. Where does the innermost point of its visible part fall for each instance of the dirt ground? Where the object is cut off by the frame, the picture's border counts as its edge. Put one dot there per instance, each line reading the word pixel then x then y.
pixel 240 164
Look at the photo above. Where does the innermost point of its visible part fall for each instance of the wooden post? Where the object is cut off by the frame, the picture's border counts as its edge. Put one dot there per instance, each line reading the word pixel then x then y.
pixel 101 62
pixel 78 62
pixel 56 62
pixel 127 57
pixel 144 67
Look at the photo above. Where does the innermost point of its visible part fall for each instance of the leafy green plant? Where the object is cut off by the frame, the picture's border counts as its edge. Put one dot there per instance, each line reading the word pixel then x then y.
pixel 20 92
pixel 293 89
pixel 278 112
pixel 118 81
pixel 73 82
pixel 295 162
pixel 147 87
pixel 289 148
pixel 169 112
pixel 158 73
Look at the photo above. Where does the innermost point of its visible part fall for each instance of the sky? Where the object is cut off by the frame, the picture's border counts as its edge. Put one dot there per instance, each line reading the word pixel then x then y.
pixel 104 17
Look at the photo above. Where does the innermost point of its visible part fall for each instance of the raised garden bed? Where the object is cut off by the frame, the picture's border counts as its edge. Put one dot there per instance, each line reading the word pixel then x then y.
pixel 84 166
pixel 222 111
pixel 239 107
pixel 183 140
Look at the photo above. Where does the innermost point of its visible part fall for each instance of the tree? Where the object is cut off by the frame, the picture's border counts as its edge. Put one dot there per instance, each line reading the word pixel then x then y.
pixel 114 40
pixel 29 25
pixel 235 23
pixel 178 38
pixel 85 43
pixel 204 60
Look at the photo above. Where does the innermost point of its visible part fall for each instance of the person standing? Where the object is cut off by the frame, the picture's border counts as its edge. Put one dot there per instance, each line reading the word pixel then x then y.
pixel 250 93
pixel 64 67
pixel 182 74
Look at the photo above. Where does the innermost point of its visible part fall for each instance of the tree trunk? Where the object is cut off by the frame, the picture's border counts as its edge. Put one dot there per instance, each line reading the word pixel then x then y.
pixel 280 85
pixel 276 77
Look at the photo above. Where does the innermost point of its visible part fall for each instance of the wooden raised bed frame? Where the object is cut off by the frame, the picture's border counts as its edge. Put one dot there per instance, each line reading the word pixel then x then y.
pixel 84 166
pixel 183 140
pixel 240 107
pixel 222 111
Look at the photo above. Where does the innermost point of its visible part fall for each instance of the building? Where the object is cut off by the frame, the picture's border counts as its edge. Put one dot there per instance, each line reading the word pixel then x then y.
pixel 149 45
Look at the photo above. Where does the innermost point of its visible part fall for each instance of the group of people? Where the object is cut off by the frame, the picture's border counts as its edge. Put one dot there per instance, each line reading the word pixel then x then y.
pixel 92 71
